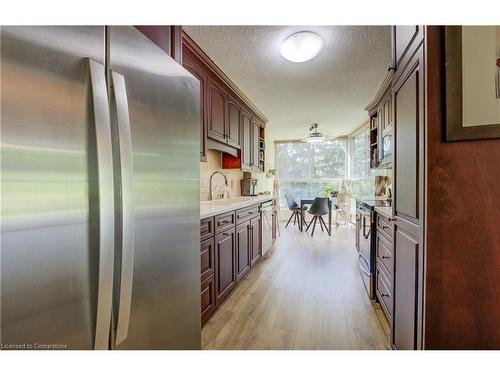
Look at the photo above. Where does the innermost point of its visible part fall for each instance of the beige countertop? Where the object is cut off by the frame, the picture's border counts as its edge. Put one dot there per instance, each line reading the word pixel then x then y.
pixel 220 206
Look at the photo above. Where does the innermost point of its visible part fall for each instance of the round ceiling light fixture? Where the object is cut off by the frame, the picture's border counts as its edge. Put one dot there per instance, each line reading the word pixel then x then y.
pixel 301 46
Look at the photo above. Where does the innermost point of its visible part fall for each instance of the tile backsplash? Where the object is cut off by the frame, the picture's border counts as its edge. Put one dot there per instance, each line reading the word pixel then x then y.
pixel 234 177
pixel 213 164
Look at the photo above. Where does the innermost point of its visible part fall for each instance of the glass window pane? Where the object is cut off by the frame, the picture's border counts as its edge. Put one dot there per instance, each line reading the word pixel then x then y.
pixel 328 159
pixel 292 160
pixel 360 159
pixel 305 189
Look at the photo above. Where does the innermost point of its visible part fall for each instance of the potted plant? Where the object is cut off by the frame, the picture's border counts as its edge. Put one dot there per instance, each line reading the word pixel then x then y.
pixel 329 191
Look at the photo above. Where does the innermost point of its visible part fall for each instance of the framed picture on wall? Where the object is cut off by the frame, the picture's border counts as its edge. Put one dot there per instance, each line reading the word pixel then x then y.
pixel 472 71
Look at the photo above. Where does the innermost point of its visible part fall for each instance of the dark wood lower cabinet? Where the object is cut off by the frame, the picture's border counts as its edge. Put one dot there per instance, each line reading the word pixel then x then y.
pixel 225 273
pixel 256 239
pixel 207 258
pixel 242 250
pixel 407 289
pixel 228 256
pixel 208 304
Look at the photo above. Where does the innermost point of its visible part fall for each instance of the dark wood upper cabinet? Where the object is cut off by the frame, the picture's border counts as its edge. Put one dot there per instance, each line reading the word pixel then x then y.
pixel 233 129
pixel 256 239
pixel 168 38
pixel 216 112
pixel 405 41
pixel 225 273
pixel 242 250
pixel 246 144
pixel 226 112
pixel 197 71
pixel 409 133
pixel 255 146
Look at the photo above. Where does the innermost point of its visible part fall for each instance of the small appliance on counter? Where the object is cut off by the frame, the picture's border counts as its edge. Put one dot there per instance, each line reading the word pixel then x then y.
pixel 248 185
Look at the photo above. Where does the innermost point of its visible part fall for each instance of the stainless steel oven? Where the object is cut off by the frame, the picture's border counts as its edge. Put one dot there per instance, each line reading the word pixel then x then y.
pixel 365 243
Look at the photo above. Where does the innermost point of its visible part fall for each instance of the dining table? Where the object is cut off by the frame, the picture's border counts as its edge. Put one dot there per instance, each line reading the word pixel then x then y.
pixel 305 201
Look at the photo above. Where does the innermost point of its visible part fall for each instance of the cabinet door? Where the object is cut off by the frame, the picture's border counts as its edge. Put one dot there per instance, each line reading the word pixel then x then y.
pixel 207 258
pixel 216 112
pixel 407 290
pixel 233 123
pixel 405 42
pixel 255 146
pixel 256 239
pixel 246 144
pixel 200 75
pixel 409 140
pixel 207 299
pixel 242 250
pixel 409 204
pixel 225 275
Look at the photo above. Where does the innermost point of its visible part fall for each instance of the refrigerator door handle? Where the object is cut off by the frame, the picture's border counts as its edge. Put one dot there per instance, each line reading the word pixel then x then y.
pixel 127 205
pixel 106 203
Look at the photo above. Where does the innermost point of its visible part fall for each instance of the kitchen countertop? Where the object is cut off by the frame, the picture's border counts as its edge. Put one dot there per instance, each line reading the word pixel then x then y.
pixel 380 205
pixel 220 206
pixel 386 211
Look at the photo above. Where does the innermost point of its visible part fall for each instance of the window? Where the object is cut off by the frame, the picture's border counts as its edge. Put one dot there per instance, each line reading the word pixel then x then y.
pixel 306 169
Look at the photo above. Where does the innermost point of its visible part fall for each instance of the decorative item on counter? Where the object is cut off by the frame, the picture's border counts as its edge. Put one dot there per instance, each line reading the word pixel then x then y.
pixel 329 191
pixel 271 173
pixel 382 183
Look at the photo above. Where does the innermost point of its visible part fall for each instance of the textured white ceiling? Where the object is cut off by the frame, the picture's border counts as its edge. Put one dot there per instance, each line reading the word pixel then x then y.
pixel 330 89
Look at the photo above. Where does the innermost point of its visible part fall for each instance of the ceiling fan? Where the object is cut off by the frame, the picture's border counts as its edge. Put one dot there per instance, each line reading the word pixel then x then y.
pixel 315 136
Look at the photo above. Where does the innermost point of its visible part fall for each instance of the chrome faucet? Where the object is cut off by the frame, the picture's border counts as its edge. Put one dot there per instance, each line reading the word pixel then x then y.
pixel 212 190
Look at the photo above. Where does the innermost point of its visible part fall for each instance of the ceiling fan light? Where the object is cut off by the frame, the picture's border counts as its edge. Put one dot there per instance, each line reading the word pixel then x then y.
pixel 301 46
pixel 314 139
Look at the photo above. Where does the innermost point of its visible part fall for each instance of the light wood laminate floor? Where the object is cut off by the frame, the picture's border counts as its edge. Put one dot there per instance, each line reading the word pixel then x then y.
pixel 306 293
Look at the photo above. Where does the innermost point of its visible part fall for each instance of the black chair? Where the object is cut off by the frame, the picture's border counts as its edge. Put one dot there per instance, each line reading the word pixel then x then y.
pixel 296 210
pixel 317 210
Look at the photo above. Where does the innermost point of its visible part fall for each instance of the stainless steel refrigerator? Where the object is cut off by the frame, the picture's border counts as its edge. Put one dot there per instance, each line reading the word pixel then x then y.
pixel 100 192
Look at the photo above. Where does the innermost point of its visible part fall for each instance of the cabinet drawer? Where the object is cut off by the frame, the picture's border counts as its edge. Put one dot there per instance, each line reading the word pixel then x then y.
pixel 207 299
pixel 207 258
pixel 246 213
pixel 384 293
pixel 206 228
pixel 384 226
pixel 384 254
pixel 224 222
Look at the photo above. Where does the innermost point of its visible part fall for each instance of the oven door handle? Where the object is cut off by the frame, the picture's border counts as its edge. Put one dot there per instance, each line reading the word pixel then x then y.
pixel 367 273
pixel 365 235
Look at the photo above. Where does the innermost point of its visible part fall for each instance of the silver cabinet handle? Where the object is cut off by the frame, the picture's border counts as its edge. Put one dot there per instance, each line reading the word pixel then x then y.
pixel 106 203
pixel 126 186
pixel 385 257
